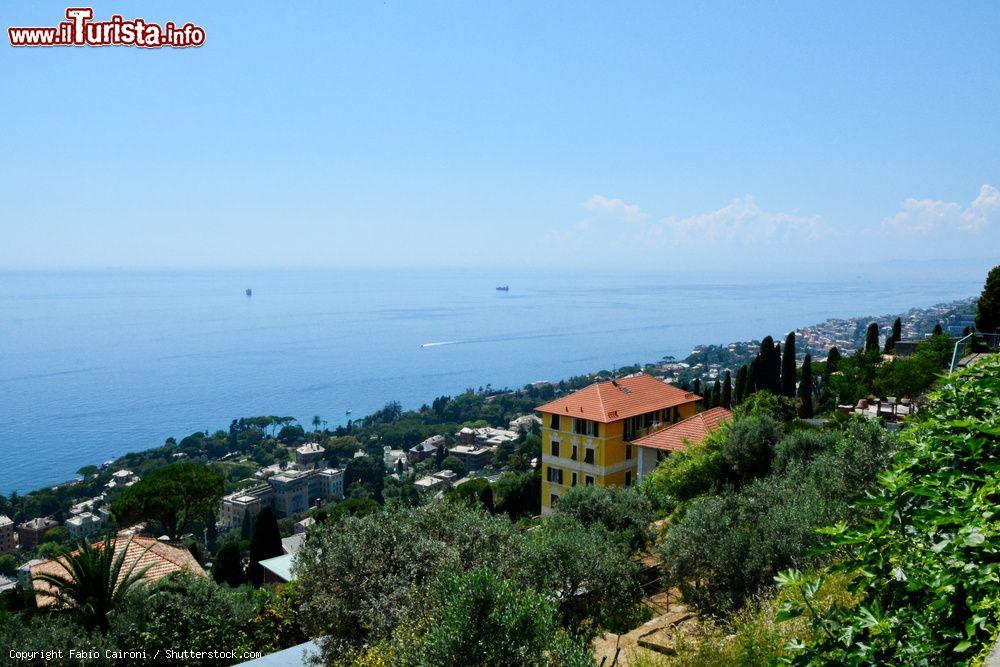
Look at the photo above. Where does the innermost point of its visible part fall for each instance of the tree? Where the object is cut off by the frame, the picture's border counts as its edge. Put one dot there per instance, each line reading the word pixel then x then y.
pixel 805 389
pixel 265 543
pixel 788 366
pixel 988 310
pixel 228 566
pixel 316 422
pixel 716 394
pixel 624 511
pixel 454 464
pixel 246 527
pixel 94 582
pixel 439 456
pixel 871 339
pixel 938 331
pixel 173 496
pixel 767 374
pixel 741 385
pixel 479 618
pixel 696 387
pixel 367 472
pixel 596 578
pixel 727 391
pixel 895 336
pixel 211 533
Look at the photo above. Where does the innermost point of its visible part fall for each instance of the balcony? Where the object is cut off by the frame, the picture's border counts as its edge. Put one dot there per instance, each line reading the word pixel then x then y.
pixel 635 434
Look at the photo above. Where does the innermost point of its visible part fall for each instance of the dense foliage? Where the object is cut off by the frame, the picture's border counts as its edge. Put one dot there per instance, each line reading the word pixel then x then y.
pixel 747 501
pixel 172 496
pixel 925 563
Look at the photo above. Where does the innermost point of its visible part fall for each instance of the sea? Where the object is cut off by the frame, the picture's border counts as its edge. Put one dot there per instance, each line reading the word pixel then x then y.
pixel 98 363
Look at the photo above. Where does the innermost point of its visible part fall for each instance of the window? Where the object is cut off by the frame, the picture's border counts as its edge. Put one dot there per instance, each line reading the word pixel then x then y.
pixel 555 448
pixel 585 427
pixel 677 415
pixel 554 475
pixel 588 480
pixel 628 478
pixel 553 499
pixel 574 479
pixel 628 451
pixel 588 456
pixel 574 453
pixel 554 422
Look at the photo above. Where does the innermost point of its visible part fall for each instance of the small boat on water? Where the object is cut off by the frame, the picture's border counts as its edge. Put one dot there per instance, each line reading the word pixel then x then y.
pixel 503 288
pixel 249 292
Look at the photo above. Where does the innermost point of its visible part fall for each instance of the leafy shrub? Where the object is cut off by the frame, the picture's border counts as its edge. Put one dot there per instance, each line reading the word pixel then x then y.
pixel 925 560
pixel 621 510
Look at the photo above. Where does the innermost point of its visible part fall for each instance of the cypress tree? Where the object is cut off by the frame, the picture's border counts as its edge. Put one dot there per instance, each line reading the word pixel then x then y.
pixel 246 530
pixel 768 364
pixel 832 360
pixel 265 543
pixel 439 456
pixel 805 389
pixel 211 533
pixel 897 331
pixel 988 309
pixel 717 394
pixel 775 376
pixel 228 567
pixel 697 386
pixel 741 385
pixel 727 391
pixel 753 377
pixel 871 339
pixel 937 329
pixel 788 366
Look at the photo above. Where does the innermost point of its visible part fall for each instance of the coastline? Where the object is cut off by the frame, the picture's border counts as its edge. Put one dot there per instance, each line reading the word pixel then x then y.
pixel 708 362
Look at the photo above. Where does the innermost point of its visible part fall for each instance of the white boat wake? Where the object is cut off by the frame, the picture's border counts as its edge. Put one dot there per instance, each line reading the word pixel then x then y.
pixel 443 342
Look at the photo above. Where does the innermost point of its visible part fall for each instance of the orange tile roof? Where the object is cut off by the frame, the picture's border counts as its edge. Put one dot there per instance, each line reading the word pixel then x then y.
pixel 692 430
pixel 163 559
pixel 620 399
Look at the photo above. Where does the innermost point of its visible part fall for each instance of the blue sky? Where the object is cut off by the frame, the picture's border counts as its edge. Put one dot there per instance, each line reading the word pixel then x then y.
pixel 557 134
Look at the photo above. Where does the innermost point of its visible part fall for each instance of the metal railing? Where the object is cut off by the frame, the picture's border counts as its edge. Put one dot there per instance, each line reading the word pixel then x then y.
pixel 969 342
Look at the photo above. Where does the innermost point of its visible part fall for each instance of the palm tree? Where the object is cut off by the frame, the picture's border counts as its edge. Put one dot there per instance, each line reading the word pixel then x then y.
pixel 94 584
pixel 317 420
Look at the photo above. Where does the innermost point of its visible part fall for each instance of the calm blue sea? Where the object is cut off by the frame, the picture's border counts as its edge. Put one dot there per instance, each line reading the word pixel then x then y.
pixel 94 364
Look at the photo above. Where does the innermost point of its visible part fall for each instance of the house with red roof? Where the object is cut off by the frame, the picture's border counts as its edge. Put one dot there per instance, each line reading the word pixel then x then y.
pixel 588 436
pixel 677 437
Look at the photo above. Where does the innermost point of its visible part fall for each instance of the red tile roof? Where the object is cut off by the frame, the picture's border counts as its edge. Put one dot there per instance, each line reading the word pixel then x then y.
pixel 692 430
pixel 163 559
pixel 620 399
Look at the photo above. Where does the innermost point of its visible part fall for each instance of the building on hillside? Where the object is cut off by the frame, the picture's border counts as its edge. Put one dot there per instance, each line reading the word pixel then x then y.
pixel 288 493
pixel 32 533
pixel 473 457
pixel 676 437
pixel 249 501
pixel 587 436
pixel 161 558
pixel 391 457
pixel 310 455
pixel 83 525
pixel 442 479
pixel 6 534
pixel 426 449
pixel 525 423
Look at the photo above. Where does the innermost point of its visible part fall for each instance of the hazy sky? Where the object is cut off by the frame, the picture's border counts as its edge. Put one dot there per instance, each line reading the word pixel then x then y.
pixel 654 135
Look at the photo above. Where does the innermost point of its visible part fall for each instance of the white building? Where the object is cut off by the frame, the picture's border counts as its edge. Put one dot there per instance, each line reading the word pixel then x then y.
pixel 83 525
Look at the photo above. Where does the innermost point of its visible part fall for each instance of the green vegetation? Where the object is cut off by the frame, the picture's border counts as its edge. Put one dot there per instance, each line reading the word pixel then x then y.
pixel 988 309
pixel 172 496
pixel 93 583
pixel 747 502
pixel 383 586
pixel 922 550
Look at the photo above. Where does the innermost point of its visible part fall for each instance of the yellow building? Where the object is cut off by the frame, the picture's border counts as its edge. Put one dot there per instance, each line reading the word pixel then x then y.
pixel 587 436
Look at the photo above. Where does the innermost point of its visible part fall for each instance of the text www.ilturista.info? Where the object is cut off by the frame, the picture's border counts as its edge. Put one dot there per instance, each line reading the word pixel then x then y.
pixel 79 30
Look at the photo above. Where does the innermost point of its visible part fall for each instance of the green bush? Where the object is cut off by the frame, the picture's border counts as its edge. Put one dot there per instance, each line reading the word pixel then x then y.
pixel 925 557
